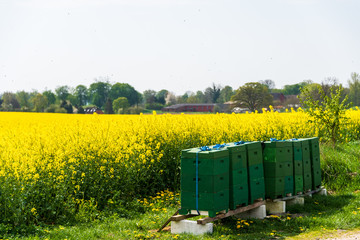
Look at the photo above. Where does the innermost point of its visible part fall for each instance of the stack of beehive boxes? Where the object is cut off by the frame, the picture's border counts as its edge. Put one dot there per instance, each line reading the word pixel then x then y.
pixel 278 169
pixel 315 162
pixel 239 188
pixel 204 181
pixel 256 171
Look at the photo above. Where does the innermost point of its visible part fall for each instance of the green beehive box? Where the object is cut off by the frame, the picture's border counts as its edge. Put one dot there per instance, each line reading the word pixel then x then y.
pixel 254 153
pixel 280 151
pixel 305 148
pixel 307 166
pixel 206 183
pixel 239 195
pixel 316 179
pixel 297 149
pixel 314 145
pixel 278 169
pixel 289 185
pixel 239 176
pixel 307 181
pixel 211 202
pixel 212 162
pixel 274 187
pixel 298 168
pixel 256 189
pixel 256 171
pixel 299 184
pixel 237 156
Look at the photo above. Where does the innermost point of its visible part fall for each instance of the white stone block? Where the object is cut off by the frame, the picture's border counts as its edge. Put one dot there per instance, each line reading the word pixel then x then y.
pixel 276 207
pixel 297 200
pixel 323 192
pixel 256 213
pixel 188 226
pixel 203 213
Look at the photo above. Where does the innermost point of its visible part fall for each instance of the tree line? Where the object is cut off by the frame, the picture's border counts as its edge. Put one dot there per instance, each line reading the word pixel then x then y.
pixel 124 98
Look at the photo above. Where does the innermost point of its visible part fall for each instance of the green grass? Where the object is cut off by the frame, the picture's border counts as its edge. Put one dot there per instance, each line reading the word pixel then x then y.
pixel 339 210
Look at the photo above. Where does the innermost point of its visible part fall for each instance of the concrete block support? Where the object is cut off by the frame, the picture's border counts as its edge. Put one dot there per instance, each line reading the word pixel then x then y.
pixel 188 226
pixel 323 192
pixel 294 201
pixel 276 207
pixel 257 213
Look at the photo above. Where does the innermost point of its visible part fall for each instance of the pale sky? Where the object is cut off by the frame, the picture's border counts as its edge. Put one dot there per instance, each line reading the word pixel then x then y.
pixel 177 45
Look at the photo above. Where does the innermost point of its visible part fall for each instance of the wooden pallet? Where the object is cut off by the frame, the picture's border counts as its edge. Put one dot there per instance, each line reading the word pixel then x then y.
pixel 219 216
pixel 307 193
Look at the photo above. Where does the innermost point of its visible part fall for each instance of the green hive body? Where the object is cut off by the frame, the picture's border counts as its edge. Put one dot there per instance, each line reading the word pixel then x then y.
pixel 238 183
pixel 315 162
pixel 278 168
pixel 213 180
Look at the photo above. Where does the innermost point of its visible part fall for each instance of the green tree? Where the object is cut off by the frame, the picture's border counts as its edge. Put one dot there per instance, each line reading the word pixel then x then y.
pixel 328 111
pixel 81 95
pixel 50 96
pixel 149 96
pixel 120 105
pixel 200 97
pixel 253 95
pixel 9 101
pixel 109 106
pixel 212 93
pixel 40 102
pixel 354 87
pixel 225 94
pixel 310 89
pixel 161 96
pixel 99 92
pixel 125 90
pixel 62 92
pixel 295 89
pixel 24 100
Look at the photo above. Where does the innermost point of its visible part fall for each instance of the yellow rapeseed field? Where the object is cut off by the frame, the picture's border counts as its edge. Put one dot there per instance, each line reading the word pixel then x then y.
pixel 53 166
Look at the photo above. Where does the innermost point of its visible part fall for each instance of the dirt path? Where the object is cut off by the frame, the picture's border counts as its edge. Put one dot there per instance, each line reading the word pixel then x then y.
pixel 329 235
pixel 344 235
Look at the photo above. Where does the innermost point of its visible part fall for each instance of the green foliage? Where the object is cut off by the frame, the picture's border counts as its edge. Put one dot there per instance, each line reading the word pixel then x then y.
pixel 109 106
pixel 161 96
pixel 354 85
pixel 212 94
pixel 81 95
pixel 225 94
pixel 340 166
pixel 40 102
pixel 99 92
pixel 81 110
pixel 24 100
pixel 9 101
pixel 125 90
pixel 154 106
pixel 50 96
pixel 253 95
pixel 326 110
pixel 294 89
pixel 120 103
pixel 62 92
pixel 149 96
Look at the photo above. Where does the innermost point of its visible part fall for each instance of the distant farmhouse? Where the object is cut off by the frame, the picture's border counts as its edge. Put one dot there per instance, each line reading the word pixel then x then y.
pixel 190 107
pixel 92 110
